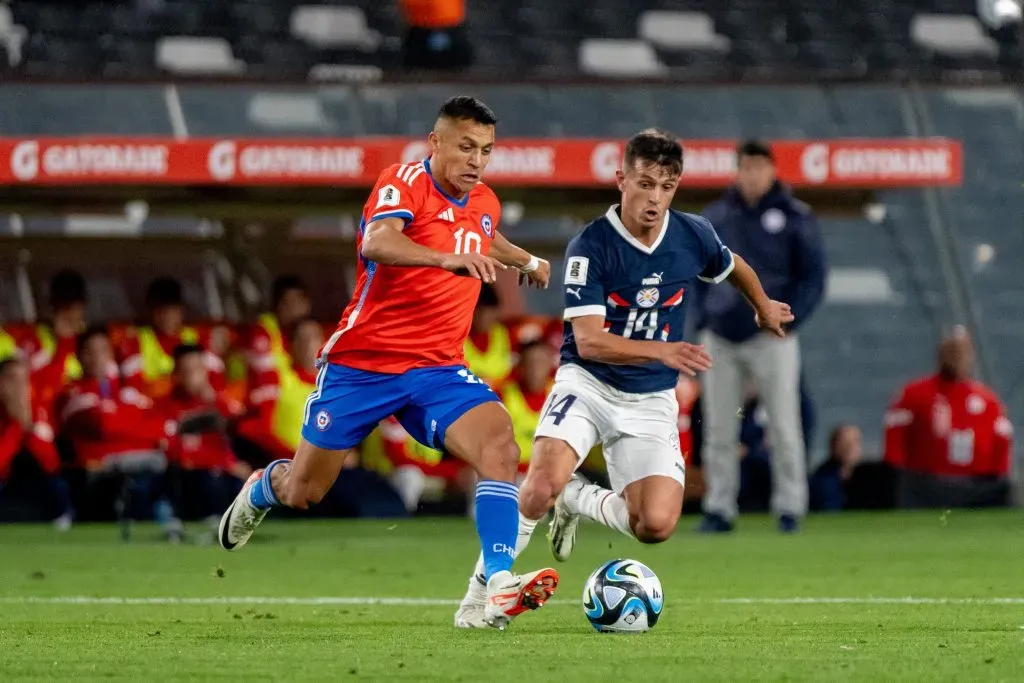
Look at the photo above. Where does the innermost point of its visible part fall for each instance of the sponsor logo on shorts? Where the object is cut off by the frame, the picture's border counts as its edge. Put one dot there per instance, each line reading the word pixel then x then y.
pixel 487 224
pixel 323 420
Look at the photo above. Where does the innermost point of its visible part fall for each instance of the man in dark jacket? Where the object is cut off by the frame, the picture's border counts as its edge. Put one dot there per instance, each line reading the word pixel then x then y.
pixel 779 237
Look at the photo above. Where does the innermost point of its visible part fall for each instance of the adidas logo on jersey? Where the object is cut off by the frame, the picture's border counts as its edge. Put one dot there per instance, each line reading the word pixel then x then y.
pixel 447 215
pixel 408 173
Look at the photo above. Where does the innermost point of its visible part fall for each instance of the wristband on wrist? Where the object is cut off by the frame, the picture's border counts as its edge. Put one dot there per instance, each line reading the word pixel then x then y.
pixel 532 265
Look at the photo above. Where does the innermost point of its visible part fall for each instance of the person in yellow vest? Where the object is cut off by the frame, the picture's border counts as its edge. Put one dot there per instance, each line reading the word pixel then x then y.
pixel 147 352
pixel 50 348
pixel 488 349
pixel 524 393
pixel 267 346
pixel 277 400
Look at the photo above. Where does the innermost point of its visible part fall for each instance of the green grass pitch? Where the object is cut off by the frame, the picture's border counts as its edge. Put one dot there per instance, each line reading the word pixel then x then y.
pixel 912 597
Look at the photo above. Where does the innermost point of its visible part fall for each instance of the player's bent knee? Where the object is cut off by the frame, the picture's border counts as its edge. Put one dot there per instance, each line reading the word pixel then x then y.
pixel 500 459
pixel 655 527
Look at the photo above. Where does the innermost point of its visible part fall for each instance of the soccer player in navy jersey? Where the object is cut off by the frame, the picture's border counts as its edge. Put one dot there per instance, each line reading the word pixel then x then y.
pixel 627 275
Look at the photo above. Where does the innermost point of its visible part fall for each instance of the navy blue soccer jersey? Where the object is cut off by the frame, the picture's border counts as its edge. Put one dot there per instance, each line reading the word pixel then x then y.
pixel 641 291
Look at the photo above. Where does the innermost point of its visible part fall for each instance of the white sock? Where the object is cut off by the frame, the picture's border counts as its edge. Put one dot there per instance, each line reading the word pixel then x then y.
pixel 409 481
pixel 526 527
pixel 604 507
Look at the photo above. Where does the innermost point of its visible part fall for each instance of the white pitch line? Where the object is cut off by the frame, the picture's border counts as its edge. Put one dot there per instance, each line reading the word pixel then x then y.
pixel 440 602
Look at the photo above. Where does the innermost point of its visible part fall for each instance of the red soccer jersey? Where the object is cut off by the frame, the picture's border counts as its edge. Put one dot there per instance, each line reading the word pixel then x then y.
pixel 403 318
pixel 948 428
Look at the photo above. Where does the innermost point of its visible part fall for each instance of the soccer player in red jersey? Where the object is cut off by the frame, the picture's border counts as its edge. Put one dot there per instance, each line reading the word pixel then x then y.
pixel 428 238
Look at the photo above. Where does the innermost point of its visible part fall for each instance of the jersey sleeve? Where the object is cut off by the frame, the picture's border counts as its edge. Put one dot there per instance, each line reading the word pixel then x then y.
pixel 583 281
pixel 718 260
pixel 400 192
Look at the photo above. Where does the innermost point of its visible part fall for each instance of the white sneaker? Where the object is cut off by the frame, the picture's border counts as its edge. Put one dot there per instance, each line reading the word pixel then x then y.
pixel 565 520
pixel 509 595
pixel 471 610
pixel 242 517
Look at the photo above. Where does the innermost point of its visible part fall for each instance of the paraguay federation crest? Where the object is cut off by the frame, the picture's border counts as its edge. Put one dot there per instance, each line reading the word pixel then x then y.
pixel 487 224
pixel 647 297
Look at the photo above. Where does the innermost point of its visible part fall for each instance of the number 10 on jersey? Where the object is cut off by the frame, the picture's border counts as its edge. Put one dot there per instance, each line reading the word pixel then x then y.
pixel 466 241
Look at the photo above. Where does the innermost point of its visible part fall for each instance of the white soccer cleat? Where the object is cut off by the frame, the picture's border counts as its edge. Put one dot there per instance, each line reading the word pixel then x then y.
pixel 565 520
pixel 509 595
pixel 242 517
pixel 471 610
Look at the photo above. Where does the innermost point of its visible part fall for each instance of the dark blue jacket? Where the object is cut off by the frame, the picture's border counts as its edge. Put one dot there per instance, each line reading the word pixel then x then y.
pixel 781 241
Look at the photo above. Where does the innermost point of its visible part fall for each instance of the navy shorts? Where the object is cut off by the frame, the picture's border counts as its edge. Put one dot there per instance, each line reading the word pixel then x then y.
pixel 348 403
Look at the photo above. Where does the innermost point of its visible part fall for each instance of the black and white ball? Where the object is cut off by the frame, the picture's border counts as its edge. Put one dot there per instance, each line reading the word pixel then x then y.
pixel 623 596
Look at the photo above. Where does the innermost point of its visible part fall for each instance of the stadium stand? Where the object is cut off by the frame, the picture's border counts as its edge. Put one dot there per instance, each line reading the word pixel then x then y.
pixel 286 38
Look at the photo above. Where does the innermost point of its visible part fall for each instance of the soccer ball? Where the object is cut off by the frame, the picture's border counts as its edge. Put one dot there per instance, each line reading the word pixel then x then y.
pixel 623 596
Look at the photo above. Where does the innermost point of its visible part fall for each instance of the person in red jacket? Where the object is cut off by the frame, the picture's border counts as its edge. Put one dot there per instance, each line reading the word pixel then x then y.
pixel 948 435
pixel 50 347
pixel 115 436
pixel 146 352
pixel 268 346
pixel 29 464
pixel 204 473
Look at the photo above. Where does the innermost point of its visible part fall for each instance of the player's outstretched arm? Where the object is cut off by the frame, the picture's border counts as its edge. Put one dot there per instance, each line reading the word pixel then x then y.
pixel 384 243
pixel 770 315
pixel 595 344
pixel 531 268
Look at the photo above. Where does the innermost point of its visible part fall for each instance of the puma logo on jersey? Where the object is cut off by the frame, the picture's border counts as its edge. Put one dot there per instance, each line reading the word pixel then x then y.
pixel 654 279
pixel 447 215
pixel 574 292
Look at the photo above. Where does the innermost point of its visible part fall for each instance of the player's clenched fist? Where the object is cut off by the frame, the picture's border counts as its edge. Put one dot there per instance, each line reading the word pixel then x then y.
pixel 772 319
pixel 686 358
pixel 478 266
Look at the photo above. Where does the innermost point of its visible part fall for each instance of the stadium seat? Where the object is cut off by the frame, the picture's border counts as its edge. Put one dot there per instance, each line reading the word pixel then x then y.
pixel 681 31
pixel 12 37
pixel 619 58
pixel 957 35
pixel 326 26
pixel 193 55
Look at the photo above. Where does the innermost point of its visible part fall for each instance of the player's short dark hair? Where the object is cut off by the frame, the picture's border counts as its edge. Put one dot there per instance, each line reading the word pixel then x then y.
pixel 533 344
pixel 463 107
pixel 163 291
pixel 89 333
pixel 488 296
pixel 9 362
pixel 284 284
pixel 67 287
pixel 755 148
pixel 657 147
pixel 302 322
pixel 182 350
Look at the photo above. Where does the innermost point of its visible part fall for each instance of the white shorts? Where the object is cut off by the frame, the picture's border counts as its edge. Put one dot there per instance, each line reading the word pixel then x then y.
pixel 639 433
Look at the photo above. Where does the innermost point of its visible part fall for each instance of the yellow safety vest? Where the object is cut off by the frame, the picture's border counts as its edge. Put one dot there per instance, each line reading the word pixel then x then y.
pixel 524 419
pixel 157 363
pixel 72 368
pixel 290 409
pixel 494 364
pixel 8 348
pixel 425 454
pixel 282 361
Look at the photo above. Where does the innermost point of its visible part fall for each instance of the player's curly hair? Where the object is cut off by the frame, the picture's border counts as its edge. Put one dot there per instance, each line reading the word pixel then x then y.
pixel 655 146
pixel 463 107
